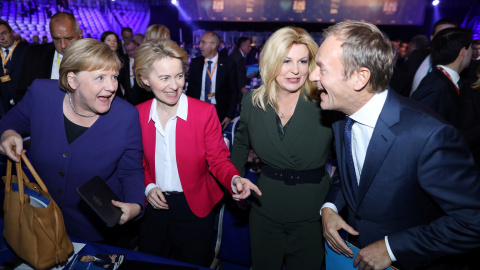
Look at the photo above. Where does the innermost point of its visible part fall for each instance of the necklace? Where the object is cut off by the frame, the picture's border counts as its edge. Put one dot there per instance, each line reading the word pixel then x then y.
pixel 73 108
pixel 282 115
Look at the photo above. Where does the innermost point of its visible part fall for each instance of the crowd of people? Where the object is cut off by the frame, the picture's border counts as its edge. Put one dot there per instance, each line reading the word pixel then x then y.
pixel 397 124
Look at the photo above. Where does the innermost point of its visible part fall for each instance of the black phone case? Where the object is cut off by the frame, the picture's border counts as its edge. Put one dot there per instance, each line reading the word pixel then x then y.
pixel 98 196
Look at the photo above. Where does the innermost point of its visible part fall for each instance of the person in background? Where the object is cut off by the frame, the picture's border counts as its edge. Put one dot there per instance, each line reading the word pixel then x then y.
pixel 184 157
pixel 112 40
pixel 139 38
pixel 239 55
pixel 406 177
pixel 157 31
pixel 12 55
pixel 476 49
pixel 127 35
pixel 212 78
pixel 441 90
pixel 43 61
pixel 35 40
pixel 79 131
pixel 282 123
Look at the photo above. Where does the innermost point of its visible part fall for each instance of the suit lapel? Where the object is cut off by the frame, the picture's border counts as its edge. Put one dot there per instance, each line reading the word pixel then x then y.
pixel 298 121
pixel 380 144
pixel 270 124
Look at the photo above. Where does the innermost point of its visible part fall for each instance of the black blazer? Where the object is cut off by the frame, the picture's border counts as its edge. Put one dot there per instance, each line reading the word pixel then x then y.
pixel 240 63
pixel 135 95
pixel 37 65
pixel 438 92
pixel 226 91
pixel 8 89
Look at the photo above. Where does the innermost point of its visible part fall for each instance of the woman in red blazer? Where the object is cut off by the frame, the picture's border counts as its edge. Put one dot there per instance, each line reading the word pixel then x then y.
pixel 183 151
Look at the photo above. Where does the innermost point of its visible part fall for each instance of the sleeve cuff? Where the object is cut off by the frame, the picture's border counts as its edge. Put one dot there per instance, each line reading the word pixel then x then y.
pixel 329 205
pixel 390 253
pixel 148 188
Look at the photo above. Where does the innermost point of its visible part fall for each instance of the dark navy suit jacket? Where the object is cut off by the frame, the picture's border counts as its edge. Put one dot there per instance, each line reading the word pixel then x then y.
pixel 418 186
pixel 8 89
pixel 111 148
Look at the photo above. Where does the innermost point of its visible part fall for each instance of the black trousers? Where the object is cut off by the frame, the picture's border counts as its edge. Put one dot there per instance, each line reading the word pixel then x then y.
pixel 178 233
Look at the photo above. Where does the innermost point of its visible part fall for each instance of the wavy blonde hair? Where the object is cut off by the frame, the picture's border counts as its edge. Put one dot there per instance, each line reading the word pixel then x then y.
pixel 273 54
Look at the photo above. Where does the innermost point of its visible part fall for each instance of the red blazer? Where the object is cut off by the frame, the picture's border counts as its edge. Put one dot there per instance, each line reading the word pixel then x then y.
pixel 201 152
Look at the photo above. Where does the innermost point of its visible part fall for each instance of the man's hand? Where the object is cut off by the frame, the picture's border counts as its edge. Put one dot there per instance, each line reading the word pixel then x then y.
pixel 374 256
pixel 226 121
pixel 332 223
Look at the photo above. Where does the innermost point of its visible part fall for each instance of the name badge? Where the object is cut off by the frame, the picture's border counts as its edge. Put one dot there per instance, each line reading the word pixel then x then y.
pixel 5 78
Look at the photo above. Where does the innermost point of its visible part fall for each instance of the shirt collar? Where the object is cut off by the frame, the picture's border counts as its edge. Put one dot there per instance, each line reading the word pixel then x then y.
pixel 453 74
pixel 60 56
pixel 214 59
pixel 182 110
pixel 369 113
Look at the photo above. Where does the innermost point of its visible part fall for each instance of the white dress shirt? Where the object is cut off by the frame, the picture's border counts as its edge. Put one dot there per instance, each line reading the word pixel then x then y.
pixel 55 67
pixel 214 76
pixel 362 130
pixel 166 169
pixel 9 50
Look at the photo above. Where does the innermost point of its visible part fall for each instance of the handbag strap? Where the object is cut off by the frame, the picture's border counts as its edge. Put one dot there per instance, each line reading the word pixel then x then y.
pixel 34 173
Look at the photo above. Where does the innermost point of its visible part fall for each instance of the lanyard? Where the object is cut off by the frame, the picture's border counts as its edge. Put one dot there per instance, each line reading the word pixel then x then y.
pixel 5 59
pixel 448 76
pixel 210 74
pixel 58 60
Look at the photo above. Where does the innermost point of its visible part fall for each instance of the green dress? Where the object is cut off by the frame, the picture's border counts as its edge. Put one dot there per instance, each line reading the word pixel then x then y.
pixel 305 145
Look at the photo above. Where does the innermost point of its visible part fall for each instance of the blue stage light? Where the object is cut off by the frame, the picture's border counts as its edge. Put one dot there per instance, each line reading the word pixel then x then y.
pixel 175 2
pixel 435 2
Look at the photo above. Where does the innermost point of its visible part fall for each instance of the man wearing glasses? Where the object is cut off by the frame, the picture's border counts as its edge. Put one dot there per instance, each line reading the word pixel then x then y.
pixel 212 78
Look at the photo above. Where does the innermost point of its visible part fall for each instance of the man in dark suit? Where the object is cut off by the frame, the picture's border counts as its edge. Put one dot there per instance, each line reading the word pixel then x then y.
pixel 406 177
pixel 244 46
pixel 130 90
pixel 440 90
pixel 12 53
pixel 419 63
pixel 212 78
pixel 43 61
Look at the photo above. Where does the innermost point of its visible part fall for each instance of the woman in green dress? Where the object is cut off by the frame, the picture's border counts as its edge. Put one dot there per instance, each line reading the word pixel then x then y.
pixel 282 122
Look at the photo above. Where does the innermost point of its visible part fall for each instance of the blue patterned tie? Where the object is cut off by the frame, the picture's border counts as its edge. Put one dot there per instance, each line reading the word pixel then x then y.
pixel 208 82
pixel 348 154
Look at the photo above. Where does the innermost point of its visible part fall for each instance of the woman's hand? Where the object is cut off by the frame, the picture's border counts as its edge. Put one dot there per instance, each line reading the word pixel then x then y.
pixel 11 140
pixel 242 187
pixel 130 210
pixel 156 199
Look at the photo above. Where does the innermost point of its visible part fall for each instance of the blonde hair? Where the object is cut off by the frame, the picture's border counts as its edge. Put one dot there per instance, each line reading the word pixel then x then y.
pixel 157 31
pixel 273 54
pixel 364 45
pixel 86 55
pixel 154 50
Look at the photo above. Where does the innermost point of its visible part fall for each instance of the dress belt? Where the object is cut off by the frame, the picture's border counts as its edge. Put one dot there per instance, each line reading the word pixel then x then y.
pixel 292 177
pixel 172 192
